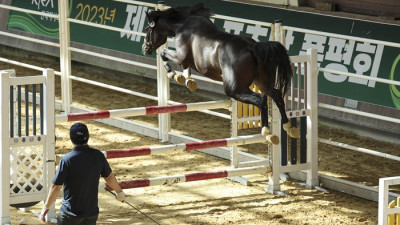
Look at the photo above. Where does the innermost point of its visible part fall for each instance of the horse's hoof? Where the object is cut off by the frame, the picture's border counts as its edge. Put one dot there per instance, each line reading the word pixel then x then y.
pixel 180 79
pixel 272 139
pixel 191 84
pixel 287 126
pixel 293 132
pixel 265 131
pixel 171 74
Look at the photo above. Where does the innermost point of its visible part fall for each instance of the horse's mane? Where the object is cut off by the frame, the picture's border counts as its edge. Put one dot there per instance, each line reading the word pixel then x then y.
pixel 181 12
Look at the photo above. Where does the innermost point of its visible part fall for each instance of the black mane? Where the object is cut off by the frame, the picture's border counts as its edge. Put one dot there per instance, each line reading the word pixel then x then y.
pixel 181 12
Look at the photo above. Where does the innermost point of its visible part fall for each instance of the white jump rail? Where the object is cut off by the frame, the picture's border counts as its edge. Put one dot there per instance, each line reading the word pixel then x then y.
pixel 189 146
pixel 359 149
pixel 383 209
pixel 167 180
pixel 141 111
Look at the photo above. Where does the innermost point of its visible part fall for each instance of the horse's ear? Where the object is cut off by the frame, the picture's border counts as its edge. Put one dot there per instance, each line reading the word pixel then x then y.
pixel 151 23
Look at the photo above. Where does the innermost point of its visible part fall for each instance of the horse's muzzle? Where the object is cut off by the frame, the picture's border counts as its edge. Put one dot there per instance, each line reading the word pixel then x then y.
pixel 147 48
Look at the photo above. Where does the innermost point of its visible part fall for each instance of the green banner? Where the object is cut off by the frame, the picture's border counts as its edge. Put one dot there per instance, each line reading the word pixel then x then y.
pixel 366 59
pixel 40 25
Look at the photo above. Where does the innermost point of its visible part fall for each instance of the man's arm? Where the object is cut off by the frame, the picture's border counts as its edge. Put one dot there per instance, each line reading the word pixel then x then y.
pixel 113 183
pixel 51 198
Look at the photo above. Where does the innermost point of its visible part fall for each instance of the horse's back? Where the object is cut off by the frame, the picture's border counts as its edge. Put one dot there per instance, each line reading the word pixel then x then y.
pixel 217 54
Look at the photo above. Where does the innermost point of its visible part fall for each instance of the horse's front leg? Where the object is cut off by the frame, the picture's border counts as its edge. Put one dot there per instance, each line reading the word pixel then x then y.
pixel 176 58
pixel 170 72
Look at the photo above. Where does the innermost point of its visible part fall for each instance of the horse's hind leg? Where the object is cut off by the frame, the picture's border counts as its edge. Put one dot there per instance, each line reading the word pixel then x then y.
pixel 277 97
pixel 260 101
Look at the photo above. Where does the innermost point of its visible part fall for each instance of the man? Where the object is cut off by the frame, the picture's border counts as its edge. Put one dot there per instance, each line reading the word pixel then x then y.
pixel 79 172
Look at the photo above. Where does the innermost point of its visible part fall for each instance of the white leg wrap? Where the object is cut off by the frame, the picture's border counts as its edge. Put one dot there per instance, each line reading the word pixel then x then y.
pixel 265 131
pixel 272 139
pixel 180 79
pixel 287 126
pixel 171 74
pixel 191 84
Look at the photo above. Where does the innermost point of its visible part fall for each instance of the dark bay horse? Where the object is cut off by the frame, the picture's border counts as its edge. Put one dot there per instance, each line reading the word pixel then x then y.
pixel 235 60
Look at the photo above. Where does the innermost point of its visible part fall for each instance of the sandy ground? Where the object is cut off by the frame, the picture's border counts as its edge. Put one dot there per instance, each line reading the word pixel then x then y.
pixel 217 201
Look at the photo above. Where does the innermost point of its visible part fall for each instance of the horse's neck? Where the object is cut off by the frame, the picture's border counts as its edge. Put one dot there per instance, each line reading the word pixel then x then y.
pixel 172 27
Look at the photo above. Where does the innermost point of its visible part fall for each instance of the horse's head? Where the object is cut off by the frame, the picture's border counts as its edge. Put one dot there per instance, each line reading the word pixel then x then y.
pixel 163 24
pixel 156 34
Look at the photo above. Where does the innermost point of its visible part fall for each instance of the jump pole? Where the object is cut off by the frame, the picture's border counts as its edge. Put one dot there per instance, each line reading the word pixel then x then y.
pixel 141 111
pixel 190 146
pixel 167 180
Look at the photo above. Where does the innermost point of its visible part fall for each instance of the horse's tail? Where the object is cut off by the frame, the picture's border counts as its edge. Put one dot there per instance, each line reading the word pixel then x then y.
pixel 272 56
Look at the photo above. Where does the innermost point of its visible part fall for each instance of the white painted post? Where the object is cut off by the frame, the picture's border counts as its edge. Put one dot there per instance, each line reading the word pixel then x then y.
pixel 164 119
pixel 65 55
pixel 5 149
pixel 277 30
pixel 49 131
pixel 312 119
pixel 383 202
pixel 275 126
pixel 234 132
pixel 272 33
pixel 13 74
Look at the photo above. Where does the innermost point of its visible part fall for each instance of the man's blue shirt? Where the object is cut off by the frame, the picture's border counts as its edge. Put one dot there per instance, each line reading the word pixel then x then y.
pixel 79 172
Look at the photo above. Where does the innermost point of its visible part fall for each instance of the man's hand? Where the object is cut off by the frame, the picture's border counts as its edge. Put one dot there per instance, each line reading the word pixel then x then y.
pixel 120 196
pixel 43 213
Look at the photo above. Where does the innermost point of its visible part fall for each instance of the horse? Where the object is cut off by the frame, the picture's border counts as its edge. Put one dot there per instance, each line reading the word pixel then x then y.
pixel 235 60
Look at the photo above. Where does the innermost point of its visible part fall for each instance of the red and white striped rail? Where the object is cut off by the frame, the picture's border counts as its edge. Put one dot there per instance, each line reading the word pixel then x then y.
pixel 190 177
pixel 190 146
pixel 141 111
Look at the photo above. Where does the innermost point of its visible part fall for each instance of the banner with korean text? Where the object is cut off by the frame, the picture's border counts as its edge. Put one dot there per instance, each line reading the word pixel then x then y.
pixel 363 58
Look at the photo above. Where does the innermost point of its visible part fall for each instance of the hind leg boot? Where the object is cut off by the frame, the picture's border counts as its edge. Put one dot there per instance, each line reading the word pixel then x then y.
pixel 293 132
pixel 191 84
pixel 180 79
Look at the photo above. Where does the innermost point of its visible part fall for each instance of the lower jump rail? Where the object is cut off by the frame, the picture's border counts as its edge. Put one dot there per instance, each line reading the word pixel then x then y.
pixel 167 180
